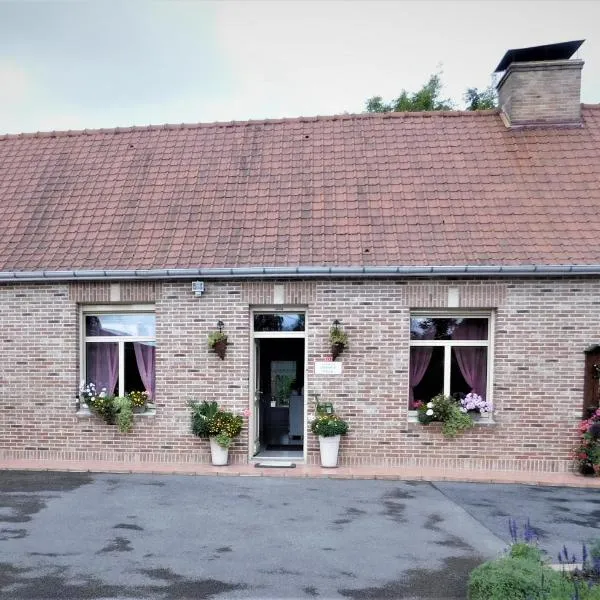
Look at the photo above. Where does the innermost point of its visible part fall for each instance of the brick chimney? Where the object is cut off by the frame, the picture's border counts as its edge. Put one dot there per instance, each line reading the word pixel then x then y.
pixel 541 86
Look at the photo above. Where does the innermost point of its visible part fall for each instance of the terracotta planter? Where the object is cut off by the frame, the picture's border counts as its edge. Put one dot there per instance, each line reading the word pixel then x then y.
pixel 329 447
pixel 220 348
pixel 336 350
pixel 218 454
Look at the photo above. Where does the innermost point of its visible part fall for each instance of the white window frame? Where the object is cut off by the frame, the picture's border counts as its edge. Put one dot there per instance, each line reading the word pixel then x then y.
pixel 112 309
pixel 448 344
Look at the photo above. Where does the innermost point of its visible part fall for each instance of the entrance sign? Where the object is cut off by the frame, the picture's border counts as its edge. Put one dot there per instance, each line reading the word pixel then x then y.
pixel 328 368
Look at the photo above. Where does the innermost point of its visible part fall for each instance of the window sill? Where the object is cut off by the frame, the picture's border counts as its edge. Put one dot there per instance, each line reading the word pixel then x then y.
pixel 85 412
pixel 480 420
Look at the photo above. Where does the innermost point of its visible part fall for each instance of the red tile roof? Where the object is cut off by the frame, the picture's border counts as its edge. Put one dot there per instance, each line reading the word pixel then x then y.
pixel 454 188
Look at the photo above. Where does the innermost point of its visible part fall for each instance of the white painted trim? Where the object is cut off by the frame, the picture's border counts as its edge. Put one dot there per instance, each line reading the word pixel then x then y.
pixel 447 367
pixel 279 334
pixel 490 315
pixel 91 309
pixel 118 308
pixel 449 342
pixel 258 335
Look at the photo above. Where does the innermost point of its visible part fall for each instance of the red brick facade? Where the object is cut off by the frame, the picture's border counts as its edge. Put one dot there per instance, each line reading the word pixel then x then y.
pixel 541 329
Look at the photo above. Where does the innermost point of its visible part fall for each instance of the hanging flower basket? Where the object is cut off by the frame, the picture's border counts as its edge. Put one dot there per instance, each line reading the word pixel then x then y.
pixel 217 341
pixel 220 348
pixel 337 349
pixel 338 339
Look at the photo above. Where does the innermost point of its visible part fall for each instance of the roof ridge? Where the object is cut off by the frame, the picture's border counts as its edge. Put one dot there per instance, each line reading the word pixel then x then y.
pixel 249 122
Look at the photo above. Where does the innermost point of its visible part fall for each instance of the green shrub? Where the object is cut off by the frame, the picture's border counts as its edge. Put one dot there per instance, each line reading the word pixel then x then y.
pixel 202 416
pixel 595 549
pixel 513 579
pixel 456 423
pixel 124 413
pixel 525 551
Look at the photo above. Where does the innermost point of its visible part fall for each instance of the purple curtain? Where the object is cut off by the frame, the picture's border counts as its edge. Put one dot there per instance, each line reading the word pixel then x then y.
pixel 144 356
pixel 472 361
pixel 103 365
pixel 419 361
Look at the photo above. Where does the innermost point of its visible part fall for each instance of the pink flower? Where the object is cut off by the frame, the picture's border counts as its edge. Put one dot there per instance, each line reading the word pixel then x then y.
pixel 246 413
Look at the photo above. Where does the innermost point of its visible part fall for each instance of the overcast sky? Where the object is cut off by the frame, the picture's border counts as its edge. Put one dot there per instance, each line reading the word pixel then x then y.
pixel 75 64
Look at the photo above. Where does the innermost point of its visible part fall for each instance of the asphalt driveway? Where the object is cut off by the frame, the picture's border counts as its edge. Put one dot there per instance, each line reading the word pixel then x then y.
pixel 94 536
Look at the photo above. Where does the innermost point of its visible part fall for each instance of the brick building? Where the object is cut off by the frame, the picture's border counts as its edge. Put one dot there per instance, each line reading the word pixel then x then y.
pixel 460 251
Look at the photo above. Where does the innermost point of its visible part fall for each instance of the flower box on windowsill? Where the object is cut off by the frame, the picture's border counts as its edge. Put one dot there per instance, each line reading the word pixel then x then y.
pixel 479 419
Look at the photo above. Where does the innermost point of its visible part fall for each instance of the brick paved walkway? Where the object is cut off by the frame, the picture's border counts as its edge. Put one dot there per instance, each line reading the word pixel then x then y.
pixel 249 470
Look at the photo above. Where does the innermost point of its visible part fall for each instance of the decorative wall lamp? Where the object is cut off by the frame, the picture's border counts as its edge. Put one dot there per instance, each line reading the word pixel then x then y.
pixel 217 340
pixel 338 339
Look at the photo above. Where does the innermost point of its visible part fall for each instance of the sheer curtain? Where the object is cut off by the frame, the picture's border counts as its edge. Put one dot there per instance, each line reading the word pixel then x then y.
pixel 420 357
pixel 145 355
pixel 472 361
pixel 103 365
pixel 419 361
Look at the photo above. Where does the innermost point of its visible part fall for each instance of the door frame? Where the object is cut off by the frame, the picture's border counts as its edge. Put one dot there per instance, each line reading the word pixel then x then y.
pixel 276 335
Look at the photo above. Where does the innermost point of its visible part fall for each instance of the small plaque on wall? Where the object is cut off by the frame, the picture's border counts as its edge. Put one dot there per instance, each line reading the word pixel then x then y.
pixel 328 368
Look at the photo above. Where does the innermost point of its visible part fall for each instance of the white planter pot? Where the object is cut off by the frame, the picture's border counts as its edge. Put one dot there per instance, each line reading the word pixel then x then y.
pixel 218 454
pixel 329 447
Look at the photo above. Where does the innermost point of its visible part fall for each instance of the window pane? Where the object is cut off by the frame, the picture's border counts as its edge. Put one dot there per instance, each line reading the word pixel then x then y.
pixel 123 324
pixel 468 371
pixel 279 322
pixel 139 370
pixel 102 366
pixel 425 328
pixel 426 374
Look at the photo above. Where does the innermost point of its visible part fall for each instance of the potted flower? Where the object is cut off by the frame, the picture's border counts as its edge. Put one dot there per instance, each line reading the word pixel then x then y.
pixel 474 403
pixel 139 401
pixel 99 402
pixel 219 426
pixel 329 427
pixel 444 409
pixel 587 452
pixel 217 341
pixel 338 339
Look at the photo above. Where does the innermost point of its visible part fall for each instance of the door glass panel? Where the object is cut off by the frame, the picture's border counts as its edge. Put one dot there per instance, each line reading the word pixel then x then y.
pixel 278 321
pixel 142 324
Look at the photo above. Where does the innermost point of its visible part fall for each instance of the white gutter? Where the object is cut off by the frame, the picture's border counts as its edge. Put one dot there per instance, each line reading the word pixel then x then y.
pixel 302 273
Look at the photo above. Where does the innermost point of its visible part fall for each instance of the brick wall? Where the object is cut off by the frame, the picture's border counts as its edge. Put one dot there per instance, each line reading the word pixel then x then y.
pixel 541 92
pixel 541 330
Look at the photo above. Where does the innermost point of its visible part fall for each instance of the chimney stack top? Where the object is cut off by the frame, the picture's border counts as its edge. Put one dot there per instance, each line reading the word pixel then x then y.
pixel 560 51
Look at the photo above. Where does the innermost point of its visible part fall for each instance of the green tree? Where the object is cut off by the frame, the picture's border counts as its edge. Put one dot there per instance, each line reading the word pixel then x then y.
pixel 426 99
pixel 481 100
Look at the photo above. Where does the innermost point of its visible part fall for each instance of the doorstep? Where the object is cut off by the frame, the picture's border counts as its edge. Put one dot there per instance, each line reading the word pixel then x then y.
pixel 303 470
